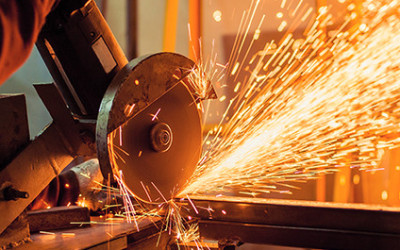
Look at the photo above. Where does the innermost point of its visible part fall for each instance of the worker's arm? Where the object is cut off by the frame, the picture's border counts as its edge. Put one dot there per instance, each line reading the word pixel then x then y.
pixel 20 24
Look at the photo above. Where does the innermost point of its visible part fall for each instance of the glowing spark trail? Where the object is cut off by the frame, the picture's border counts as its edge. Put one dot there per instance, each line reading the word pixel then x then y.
pixel 336 104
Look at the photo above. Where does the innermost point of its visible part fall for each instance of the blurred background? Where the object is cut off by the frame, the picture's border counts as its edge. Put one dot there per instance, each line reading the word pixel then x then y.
pixel 208 28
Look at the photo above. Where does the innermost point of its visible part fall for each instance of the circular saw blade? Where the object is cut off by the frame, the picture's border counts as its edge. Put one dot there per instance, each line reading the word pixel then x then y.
pixel 150 173
pixel 143 102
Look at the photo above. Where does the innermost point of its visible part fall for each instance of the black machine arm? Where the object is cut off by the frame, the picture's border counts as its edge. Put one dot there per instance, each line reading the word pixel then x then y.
pixel 81 54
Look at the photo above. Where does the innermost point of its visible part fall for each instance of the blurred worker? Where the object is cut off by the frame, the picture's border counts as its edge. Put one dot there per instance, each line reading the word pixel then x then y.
pixel 20 25
pixel 21 22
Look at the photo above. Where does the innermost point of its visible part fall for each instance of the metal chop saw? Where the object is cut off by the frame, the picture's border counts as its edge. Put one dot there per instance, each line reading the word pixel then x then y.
pixel 139 117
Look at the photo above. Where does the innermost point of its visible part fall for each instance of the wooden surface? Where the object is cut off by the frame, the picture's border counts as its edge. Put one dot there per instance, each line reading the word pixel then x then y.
pixel 101 234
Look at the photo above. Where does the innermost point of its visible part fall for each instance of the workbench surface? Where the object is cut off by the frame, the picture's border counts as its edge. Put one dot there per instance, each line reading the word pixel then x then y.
pixel 100 234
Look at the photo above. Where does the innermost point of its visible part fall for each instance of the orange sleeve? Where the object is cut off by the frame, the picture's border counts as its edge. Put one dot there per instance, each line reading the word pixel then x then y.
pixel 20 24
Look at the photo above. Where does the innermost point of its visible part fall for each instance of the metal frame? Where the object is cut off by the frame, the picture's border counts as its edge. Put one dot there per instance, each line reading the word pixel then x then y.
pixel 298 223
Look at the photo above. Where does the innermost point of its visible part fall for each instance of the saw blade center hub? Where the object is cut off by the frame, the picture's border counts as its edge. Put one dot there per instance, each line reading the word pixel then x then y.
pixel 161 137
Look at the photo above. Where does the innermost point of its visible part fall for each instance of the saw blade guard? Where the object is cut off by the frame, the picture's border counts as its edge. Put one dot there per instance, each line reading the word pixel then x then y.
pixel 149 129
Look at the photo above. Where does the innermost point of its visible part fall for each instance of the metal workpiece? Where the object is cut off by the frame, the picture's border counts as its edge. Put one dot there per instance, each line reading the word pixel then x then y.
pixel 58 218
pixel 297 223
pixel 81 54
pixel 96 234
pixel 144 96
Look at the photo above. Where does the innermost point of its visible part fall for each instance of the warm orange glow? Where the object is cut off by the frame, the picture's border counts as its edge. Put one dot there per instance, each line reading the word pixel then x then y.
pixel 356 179
pixel 342 180
pixel 384 195
pixel 170 25
pixel 217 15
pixel 82 201
pixel 194 29
pixel 330 103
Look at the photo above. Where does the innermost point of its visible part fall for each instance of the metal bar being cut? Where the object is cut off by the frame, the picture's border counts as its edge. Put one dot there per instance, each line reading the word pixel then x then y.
pixel 297 223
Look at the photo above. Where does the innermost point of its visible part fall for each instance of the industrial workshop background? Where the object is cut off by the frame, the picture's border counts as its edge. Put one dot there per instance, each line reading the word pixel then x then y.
pixel 149 26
